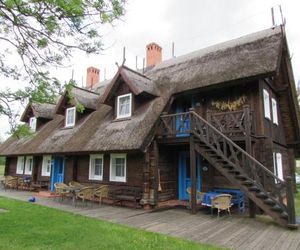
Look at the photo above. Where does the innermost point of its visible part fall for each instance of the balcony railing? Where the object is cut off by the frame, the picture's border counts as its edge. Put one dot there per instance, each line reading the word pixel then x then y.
pixel 234 124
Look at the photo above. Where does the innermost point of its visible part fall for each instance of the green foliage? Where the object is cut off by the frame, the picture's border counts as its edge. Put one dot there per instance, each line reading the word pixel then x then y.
pixel 30 226
pixel 43 34
pixel 69 86
pixel 22 130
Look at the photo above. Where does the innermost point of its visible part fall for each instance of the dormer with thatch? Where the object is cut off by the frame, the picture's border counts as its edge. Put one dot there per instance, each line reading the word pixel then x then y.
pixel 128 91
pixel 76 103
pixel 38 114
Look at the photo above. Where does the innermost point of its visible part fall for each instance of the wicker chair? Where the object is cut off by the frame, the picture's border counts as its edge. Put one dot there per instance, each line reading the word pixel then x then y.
pixel 21 184
pixel 85 194
pixel 75 184
pixel 61 190
pixel 221 202
pixel 10 182
pixel 101 192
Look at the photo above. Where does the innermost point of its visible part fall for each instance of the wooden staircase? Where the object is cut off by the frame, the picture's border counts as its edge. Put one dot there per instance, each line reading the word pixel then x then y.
pixel 273 195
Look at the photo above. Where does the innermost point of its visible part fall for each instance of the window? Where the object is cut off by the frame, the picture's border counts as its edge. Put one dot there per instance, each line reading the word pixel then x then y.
pixel 277 161
pixel 28 165
pixel 267 104
pixel 124 106
pixel 118 167
pixel 274 111
pixel 70 117
pixel 32 124
pixel 96 167
pixel 20 165
pixel 46 168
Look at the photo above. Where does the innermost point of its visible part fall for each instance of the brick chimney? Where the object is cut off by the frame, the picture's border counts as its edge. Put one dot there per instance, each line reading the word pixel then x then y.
pixel 153 54
pixel 92 77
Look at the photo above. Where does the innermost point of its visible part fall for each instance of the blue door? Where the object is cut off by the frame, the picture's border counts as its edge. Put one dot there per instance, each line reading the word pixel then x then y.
pixel 58 170
pixel 182 124
pixel 185 176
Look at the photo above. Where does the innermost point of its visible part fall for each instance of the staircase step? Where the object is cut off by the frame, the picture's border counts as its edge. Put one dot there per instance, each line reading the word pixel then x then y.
pixel 249 183
pixel 228 167
pixel 254 188
pixel 241 177
pixel 262 195
pixel 277 208
pixel 269 202
pixel 233 171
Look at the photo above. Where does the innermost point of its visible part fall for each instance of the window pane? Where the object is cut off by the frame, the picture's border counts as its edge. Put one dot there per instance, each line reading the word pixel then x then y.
pixel 70 116
pixel 98 167
pixel 124 106
pixel 274 111
pixel 267 104
pixel 120 165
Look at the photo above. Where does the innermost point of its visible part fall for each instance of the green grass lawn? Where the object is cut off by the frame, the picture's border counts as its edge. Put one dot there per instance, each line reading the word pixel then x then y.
pixel 30 226
pixel 1 170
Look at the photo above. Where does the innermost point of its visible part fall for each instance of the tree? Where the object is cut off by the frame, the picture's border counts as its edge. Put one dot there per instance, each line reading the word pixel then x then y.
pixel 44 34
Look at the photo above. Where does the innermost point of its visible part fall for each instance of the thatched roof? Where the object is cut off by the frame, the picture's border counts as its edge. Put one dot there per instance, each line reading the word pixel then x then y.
pixel 252 55
pixel 255 55
pixel 38 110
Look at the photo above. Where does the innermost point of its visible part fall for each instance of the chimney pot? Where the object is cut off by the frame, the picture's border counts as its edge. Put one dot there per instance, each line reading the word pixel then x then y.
pixel 92 77
pixel 153 54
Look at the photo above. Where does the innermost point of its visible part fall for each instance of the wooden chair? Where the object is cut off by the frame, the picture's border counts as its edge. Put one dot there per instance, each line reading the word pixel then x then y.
pixel 61 190
pixel 85 194
pixel 101 192
pixel 221 202
pixel 76 184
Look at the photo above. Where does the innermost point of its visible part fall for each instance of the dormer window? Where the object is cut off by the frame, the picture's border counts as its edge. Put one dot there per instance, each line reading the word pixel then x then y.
pixel 70 117
pixel 32 124
pixel 124 104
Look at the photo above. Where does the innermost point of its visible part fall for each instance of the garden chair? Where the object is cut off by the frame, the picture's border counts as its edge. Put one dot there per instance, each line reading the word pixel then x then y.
pixel 101 192
pixel 85 194
pixel 75 184
pixel 221 202
pixel 61 190
pixel 10 182
pixel 21 184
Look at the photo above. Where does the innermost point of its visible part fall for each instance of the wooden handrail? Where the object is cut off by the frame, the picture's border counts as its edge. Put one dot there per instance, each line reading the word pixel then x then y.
pixel 236 146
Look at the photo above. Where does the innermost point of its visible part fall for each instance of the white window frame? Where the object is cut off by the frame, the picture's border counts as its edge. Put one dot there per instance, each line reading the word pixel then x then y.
pixel 274 111
pixel 92 175
pixel 67 125
pixel 20 165
pixel 46 158
pixel 112 176
pixel 118 106
pixel 278 168
pixel 32 123
pixel 266 99
pixel 28 171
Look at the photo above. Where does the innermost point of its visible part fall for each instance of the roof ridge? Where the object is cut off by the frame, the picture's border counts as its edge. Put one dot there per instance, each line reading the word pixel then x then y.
pixel 87 90
pixel 136 72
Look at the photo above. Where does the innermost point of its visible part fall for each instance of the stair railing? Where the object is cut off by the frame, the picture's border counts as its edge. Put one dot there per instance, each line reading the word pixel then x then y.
pixel 242 161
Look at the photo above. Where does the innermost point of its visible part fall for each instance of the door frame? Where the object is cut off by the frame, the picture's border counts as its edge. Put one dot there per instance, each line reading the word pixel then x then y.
pixel 182 174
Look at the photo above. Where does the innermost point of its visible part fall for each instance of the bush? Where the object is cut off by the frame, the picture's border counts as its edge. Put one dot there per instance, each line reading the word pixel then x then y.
pixel 2 160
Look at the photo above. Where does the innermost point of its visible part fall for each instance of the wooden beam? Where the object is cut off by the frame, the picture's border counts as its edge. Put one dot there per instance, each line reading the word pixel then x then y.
pixel 75 167
pixel 290 202
pixel 156 167
pixel 193 175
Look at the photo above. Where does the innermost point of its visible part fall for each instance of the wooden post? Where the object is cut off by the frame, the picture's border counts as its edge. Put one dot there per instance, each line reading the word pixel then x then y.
pixel 146 183
pixel 156 156
pixel 252 206
pixel 290 201
pixel 193 167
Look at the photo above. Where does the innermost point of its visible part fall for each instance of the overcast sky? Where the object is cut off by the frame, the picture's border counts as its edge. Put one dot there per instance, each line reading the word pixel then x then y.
pixel 190 24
